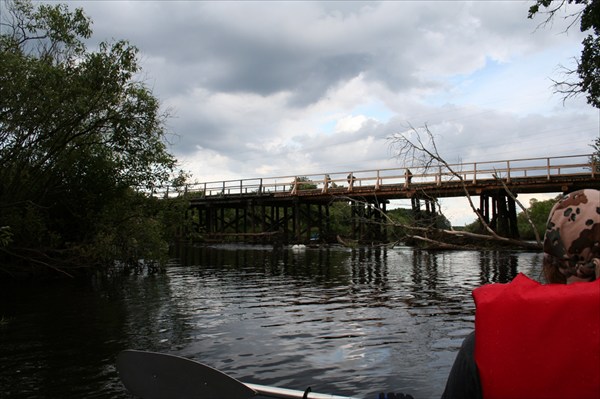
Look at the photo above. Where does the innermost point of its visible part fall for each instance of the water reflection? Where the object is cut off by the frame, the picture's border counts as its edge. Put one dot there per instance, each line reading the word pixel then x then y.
pixel 350 322
pixel 497 267
pixel 365 308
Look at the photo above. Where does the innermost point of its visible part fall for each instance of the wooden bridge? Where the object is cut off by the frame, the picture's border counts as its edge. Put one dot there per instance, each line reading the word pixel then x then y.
pixel 297 208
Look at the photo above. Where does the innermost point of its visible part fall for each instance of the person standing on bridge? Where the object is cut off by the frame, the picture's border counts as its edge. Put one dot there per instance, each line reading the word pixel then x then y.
pixel 540 341
pixel 351 179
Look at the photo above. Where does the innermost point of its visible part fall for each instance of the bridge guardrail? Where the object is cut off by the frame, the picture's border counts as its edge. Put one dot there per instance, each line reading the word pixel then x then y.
pixel 470 172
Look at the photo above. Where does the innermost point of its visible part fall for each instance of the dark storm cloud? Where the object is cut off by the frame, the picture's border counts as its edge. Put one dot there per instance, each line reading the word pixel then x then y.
pixel 307 48
pixel 325 73
pixel 220 52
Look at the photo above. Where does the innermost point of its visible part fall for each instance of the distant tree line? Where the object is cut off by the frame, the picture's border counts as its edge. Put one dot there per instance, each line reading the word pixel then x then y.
pixel 538 212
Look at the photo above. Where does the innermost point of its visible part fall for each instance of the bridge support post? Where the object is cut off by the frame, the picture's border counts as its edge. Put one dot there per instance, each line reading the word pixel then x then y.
pixel 208 214
pixel 286 229
pixel 368 221
pixel 504 213
pixel 356 217
pixel 426 216
pixel 484 207
pixel 296 221
pixel 378 230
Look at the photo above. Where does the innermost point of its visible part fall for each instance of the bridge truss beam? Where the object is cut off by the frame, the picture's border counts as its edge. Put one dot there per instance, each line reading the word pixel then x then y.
pixel 289 221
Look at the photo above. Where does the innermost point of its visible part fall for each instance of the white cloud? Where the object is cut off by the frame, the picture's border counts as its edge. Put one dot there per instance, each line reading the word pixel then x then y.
pixel 350 124
pixel 285 88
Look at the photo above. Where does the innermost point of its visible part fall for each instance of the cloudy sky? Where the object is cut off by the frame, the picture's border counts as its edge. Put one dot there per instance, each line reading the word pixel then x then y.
pixel 270 88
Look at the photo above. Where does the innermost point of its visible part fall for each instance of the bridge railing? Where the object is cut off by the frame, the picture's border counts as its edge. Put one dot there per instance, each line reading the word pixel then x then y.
pixel 403 177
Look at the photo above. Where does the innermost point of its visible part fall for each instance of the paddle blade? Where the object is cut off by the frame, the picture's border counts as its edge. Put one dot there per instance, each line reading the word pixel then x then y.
pixel 151 375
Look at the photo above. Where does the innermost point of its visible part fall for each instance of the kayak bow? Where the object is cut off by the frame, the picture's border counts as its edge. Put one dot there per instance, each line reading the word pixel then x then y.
pixel 152 375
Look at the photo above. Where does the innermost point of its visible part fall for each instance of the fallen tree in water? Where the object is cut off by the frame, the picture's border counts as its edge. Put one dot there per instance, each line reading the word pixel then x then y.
pixel 453 239
pixel 415 147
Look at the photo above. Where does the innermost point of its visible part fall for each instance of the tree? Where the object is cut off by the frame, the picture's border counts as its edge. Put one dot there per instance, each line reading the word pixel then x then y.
pixel 302 183
pixel 80 138
pixel 538 212
pixel 419 147
pixel 595 157
pixel 588 65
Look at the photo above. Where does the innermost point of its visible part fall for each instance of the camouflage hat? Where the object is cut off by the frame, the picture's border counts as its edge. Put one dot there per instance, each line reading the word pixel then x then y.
pixel 572 240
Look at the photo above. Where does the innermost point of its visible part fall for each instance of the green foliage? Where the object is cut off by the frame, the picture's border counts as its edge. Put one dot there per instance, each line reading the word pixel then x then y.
pixel 5 236
pixel 172 214
pixel 129 231
pixel 595 158
pixel 474 227
pixel 80 140
pixel 303 183
pixel 538 212
pixel 588 67
pixel 400 217
pixel 341 219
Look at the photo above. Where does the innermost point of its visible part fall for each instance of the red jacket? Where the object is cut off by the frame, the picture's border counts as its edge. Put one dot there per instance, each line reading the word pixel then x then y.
pixel 538 341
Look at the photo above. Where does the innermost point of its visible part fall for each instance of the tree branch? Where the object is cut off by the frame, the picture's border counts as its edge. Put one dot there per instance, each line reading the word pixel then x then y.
pixel 427 157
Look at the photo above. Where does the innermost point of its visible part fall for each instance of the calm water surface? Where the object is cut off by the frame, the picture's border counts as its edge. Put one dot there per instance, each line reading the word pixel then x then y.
pixel 347 322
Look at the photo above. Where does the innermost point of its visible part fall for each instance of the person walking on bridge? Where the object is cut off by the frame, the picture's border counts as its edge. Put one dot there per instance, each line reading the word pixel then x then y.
pixel 540 341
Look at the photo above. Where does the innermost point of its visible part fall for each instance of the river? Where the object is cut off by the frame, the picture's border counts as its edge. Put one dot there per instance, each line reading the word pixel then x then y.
pixel 342 321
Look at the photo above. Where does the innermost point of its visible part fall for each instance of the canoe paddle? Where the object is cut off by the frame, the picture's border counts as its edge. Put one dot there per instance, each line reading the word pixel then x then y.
pixel 152 375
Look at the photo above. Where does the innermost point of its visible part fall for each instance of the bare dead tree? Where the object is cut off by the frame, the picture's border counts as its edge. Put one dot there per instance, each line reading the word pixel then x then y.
pixel 426 153
pixel 572 11
pixel 419 147
pixel 569 87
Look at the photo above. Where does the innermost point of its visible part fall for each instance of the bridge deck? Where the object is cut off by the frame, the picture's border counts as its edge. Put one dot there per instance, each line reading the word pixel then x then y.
pixel 534 175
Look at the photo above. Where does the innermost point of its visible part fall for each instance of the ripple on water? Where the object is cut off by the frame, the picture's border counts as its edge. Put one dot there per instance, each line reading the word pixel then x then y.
pixel 349 322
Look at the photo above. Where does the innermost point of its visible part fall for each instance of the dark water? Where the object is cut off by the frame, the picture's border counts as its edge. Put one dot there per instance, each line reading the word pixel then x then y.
pixel 345 322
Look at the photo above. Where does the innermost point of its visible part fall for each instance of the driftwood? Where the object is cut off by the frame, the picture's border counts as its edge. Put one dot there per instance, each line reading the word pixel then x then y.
pixel 435 244
pixel 472 238
pixel 347 242
pixel 456 239
pixel 261 234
